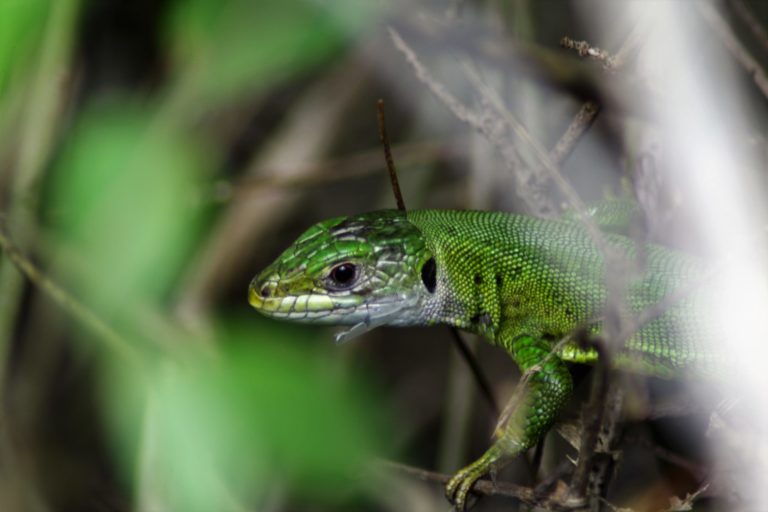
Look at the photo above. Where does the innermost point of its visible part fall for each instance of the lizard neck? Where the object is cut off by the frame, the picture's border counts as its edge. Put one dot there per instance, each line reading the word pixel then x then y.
pixel 496 271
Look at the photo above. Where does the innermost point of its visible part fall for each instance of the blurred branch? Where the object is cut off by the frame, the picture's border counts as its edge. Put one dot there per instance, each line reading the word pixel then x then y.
pixel 546 66
pixel 581 122
pixel 461 111
pixel 748 18
pixel 737 50
pixel 305 136
pixel 588 112
pixel 530 189
pixel 505 118
pixel 356 165
pixel 77 309
pixel 43 104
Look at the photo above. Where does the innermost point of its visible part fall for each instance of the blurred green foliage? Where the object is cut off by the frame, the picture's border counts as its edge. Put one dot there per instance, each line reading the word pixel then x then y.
pixel 227 46
pixel 193 427
pixel 123 194
pixel 22 26
pixel 260 415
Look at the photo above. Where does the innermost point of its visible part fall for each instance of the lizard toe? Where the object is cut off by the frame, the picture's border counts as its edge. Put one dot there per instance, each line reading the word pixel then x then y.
pixel 458 488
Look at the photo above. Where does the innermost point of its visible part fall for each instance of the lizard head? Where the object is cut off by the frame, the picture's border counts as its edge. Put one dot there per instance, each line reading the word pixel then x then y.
pixel 360 271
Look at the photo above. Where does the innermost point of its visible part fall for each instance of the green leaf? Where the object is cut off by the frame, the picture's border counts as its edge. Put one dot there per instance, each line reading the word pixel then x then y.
pixel 260 415
pixel 122 198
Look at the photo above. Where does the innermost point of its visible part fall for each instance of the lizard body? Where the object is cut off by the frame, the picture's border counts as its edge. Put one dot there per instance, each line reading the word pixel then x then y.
pixel 520 282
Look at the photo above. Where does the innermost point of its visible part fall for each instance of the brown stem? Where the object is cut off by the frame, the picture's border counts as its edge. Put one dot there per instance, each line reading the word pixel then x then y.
pixel 388 156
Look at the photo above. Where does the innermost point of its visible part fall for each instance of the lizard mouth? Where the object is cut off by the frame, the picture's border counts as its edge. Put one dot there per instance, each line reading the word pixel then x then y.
pixel 269 297
pixel 265 296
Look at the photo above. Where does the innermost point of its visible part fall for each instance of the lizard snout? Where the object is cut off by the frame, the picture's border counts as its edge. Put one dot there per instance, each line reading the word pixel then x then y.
pixel 261 290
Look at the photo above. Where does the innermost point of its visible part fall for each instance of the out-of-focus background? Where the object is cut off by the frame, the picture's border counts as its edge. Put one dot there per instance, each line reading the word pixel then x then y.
pixel 155 155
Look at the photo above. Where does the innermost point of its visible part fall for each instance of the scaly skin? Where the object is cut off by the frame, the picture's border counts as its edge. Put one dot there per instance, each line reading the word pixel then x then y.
pixel 520 282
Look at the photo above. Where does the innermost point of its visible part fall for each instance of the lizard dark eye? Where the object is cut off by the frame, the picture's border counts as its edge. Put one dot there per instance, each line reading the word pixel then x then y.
pixel 343 275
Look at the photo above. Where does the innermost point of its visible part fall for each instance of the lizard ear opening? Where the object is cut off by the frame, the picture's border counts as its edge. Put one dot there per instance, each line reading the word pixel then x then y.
pixel 429 275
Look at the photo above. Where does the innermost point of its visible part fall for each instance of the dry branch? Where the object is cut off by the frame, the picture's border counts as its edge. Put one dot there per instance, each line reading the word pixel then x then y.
pixel 68 302
pixel 581 122
pixel 355 165
pixel 484 487
pixel 588 112
pixel 530 188
pixel 306 136
pixel 584 49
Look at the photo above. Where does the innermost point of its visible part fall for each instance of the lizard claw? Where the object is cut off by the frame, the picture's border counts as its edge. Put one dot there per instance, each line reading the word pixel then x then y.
pixel 459 486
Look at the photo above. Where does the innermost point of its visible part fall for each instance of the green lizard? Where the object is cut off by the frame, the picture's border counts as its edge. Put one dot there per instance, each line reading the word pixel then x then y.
pixel 520 282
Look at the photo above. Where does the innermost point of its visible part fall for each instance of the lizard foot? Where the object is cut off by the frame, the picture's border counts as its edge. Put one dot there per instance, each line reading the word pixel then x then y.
pixel 457 489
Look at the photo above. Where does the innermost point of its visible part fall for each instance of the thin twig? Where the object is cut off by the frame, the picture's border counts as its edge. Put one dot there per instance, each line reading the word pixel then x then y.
pixel 485 487
pixel 67 302
pixel 581 122
pixel 37 123
pixel 388 156
pixel 449 100
pixel 678 505
pixel 554 173
pixel 734 46
pixel 333 170
pixel 588 112
pixel 466 354
pixel 531 189
pixel 477 372
pixel 584 49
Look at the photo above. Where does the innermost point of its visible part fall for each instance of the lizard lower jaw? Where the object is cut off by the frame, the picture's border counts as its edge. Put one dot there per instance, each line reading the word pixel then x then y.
pixel 313 308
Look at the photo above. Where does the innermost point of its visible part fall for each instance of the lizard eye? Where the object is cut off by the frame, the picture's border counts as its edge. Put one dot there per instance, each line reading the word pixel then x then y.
pixel 343 275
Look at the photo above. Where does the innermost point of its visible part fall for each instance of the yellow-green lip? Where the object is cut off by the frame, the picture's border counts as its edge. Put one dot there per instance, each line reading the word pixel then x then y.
pixel 264 304
pixel 254 299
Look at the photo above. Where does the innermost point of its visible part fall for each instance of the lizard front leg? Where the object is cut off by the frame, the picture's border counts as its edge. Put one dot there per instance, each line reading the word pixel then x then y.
pixel 544 389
